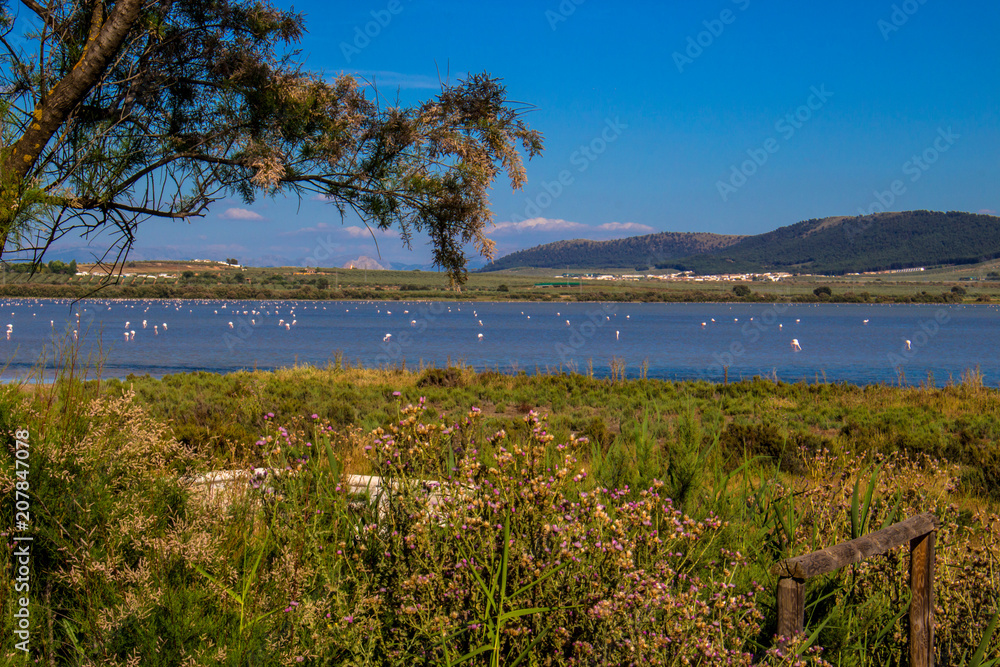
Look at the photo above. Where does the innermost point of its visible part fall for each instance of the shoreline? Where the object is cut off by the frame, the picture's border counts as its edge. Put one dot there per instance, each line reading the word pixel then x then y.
pixel 401 297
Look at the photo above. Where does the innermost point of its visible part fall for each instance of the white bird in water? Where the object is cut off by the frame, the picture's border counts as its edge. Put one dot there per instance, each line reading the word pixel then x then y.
pixel 131 335
pixel 164 326
pixel 567 322
pixel 126 335
pixel 908 344
pixel 864 321
pixel 616 334
pixel 126 324
pixel 385 339
pixel 480 336
pixel 156 330
pixel 144 324
pixel 288 327
pixel 797 321
pixel 795 345
pixel 704 324
pixel 413 323
pixel 230 325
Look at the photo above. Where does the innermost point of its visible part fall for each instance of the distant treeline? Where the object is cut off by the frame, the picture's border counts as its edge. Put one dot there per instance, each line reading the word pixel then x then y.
pixel 55 266
pixel 307 292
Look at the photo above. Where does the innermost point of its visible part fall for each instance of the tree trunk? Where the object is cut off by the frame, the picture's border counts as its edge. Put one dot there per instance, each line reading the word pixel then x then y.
pixel 103 44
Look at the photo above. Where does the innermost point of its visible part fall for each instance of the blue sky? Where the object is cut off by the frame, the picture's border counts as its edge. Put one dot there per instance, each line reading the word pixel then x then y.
pixel 729 116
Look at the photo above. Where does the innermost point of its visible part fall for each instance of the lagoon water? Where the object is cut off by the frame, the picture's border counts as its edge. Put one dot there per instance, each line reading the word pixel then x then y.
pixel 666 341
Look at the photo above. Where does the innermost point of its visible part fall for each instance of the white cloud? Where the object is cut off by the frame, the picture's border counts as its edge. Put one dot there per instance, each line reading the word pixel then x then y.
pixel 631 227
pixel 240 214
pixel 536 225
pixel 363 232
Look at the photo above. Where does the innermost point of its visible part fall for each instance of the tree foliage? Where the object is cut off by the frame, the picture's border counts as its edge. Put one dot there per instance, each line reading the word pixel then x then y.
pixel 116 111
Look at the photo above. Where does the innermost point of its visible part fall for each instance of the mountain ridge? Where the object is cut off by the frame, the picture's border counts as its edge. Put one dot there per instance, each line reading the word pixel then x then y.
pixel 832 245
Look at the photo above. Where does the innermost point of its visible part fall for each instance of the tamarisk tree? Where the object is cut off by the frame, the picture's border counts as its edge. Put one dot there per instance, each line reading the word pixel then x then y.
pixel 113 112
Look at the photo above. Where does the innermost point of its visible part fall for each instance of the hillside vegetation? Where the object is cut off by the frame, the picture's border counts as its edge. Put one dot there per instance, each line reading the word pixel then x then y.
pixel 833 246
pixel 635 251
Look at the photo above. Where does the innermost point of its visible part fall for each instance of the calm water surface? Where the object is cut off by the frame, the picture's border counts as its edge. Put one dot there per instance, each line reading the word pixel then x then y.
pixel 860 344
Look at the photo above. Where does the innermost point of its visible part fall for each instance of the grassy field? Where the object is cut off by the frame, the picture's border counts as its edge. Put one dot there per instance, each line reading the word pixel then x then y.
pixel 588 522
pixel 195 280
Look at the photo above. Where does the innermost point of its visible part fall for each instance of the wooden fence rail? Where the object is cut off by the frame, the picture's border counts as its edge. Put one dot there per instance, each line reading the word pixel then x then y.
pixel 918 530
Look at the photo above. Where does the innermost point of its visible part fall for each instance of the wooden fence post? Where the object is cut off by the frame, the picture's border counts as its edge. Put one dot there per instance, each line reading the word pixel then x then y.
pixel 922 605
pixel 791 606
pixel 918 530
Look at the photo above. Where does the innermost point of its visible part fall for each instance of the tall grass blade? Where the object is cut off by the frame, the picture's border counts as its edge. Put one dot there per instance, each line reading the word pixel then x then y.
pixel 977 657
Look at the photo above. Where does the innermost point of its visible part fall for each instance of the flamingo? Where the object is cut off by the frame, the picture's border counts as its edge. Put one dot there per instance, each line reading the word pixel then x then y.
pixel 908 344
pixel 795 345
pixel 480 336
pixel 616 334
pixel 230 325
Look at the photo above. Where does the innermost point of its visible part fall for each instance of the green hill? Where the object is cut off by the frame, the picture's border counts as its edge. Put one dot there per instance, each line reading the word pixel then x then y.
pixel 624 253
pixel 878 242
pixel 835 245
